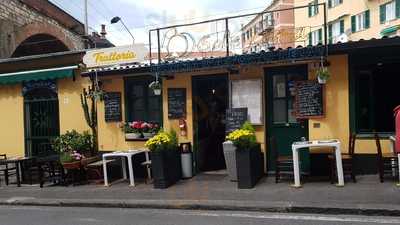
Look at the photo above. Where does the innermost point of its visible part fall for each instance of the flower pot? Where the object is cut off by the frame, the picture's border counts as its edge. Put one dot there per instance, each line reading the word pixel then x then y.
pixel 249 163
pixel 148 135
pixel 321 81
pixel 230 160
pixel 157 91
pixel 166 168
pixel 130 136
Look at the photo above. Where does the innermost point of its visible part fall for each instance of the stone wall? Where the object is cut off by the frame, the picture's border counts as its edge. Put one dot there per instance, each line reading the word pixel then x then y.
pixel 18 21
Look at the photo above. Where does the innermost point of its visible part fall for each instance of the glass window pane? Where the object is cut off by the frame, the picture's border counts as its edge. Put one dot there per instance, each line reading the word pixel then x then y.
pixel 280 111
pixel 291 112
pixel 137 91
pixel 279 86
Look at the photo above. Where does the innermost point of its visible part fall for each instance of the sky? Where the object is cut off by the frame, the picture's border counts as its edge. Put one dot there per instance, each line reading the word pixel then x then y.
pixel 142 15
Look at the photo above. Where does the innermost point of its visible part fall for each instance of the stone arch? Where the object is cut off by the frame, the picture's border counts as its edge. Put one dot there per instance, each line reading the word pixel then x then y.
pixel 33 29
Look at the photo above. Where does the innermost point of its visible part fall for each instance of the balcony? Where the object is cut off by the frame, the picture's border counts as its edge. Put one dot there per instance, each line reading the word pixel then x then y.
pixel 267 26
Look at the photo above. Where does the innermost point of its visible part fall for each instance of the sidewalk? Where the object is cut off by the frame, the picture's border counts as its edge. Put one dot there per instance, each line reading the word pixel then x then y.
pixel 215 192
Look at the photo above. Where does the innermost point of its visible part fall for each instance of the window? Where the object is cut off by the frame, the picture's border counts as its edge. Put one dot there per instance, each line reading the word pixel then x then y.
pixel 141 103
pixel 315 37
pixel 374 97
pixel 313 8
pixel 389 11
pixel 360 22
pixel 335 29
pixel 333 3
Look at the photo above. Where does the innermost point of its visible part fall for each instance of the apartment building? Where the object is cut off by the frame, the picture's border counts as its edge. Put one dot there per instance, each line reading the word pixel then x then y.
pixel 270 29
pixel 348 19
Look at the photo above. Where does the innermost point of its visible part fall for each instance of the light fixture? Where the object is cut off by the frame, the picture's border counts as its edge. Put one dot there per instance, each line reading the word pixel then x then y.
pixel 116 19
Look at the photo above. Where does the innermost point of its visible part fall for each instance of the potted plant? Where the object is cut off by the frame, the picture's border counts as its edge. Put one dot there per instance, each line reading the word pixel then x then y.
pixel 165 159
pixel 150 129
pixel 322 74
pixel 249 160
pixel 156 87
pixel 133 130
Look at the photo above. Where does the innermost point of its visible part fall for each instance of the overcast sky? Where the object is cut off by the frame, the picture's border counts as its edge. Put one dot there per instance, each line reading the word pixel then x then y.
pixel 141 15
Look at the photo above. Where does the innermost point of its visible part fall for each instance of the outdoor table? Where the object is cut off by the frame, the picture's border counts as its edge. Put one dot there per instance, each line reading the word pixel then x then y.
pixel 18 162
pixel 124 155
pixel 296 146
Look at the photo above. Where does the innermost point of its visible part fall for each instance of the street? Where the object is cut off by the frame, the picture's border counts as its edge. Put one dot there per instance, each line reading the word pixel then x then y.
pixel 25 215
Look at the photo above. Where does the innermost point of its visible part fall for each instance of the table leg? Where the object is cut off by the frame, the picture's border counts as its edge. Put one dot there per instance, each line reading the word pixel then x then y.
pixel 296 168
pixel 123 161
pixel 17 164
pixel 339 166
pixel 105 172
pixel 148 159
pixel 132 180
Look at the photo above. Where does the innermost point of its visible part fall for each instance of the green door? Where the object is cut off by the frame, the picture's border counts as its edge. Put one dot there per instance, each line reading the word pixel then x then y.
pixel 281 121
pixel 41 121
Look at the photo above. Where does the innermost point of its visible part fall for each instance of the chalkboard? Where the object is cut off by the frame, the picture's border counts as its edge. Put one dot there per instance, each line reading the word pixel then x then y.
pixel 309 99
pixel 112 107
pixel 176 103
pixel 235 118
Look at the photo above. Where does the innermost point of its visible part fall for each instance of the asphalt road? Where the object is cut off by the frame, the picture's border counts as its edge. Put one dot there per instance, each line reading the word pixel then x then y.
pixel 21 215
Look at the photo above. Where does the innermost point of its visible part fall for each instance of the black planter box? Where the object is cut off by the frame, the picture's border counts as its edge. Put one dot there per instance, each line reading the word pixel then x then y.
pixel 249 164
pixel 166 168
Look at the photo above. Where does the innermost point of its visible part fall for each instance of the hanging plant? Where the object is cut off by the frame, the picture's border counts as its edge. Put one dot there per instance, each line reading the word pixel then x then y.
pixel 156 87
pixel 323 75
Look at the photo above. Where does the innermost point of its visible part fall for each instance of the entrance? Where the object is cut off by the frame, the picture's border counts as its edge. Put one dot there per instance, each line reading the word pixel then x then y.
pixel 210 101
pixel 41 120
pixel 281 121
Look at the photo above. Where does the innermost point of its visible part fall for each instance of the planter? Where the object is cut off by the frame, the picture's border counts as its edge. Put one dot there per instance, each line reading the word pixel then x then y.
pixel 321 81
pixel 249 163
pixel 166 168
pixel 157 91
pixel 130 136
pixel 230 160
pixel 148 135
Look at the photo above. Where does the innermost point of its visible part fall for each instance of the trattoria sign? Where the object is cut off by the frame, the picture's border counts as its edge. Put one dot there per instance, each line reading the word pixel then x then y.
pixel 115 56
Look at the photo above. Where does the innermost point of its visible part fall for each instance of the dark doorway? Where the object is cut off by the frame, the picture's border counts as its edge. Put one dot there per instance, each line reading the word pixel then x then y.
pixel 281 121
pixel 210 101
pixel 41 121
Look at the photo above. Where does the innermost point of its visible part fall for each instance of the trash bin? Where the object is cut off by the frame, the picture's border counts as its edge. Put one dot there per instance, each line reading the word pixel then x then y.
pixel 186 160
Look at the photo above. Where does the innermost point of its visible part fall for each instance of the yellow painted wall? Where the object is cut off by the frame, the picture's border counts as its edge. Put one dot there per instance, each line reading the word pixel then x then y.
pixel 345 11
pixel 11 120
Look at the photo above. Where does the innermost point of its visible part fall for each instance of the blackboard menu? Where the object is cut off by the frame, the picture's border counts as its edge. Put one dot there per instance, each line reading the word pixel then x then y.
pixel 112 107
pixel 176 103
pixel 309 99
pixel 235 118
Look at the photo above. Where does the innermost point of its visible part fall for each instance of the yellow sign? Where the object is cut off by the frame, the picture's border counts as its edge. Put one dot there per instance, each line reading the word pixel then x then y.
pixel 115 56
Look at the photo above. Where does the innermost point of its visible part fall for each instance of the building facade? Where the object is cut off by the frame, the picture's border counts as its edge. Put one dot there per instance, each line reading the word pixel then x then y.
pixel 348 20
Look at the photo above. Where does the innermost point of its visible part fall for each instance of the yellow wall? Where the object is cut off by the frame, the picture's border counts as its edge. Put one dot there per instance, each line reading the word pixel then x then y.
pixel 11 120
pixel 345 11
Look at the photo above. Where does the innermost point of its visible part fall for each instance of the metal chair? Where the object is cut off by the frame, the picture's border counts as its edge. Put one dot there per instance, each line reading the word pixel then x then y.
pixel 387 162
pixel 282 163
pixel 347 161
pixel 7 170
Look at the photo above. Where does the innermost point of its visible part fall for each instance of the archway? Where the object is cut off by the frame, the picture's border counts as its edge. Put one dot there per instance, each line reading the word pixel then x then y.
pixel 39 44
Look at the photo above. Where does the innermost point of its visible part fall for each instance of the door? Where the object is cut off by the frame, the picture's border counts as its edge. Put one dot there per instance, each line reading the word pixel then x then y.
pixel 281 121
pixel 210 101
pixel 41 121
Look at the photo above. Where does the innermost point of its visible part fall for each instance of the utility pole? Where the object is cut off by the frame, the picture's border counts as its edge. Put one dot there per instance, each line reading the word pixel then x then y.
pixel 86 18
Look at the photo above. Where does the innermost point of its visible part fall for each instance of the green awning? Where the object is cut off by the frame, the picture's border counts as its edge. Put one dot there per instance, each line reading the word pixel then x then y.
pixel 389 30
pixel 34 75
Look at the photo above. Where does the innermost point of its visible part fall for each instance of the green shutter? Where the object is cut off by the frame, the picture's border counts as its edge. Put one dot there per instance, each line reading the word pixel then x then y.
pixel 341 26
pixel 340 1
pixel 353 24
pixel 367 21
pixel 310 38
pixel 330 33
pixel 320 36
pixel 329 3
pixel 309 10
pixel 316 7
pixel 397 3
pixel 382 13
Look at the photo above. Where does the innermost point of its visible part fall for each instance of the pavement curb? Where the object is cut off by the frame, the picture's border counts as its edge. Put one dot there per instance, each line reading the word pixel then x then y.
pixel 283 207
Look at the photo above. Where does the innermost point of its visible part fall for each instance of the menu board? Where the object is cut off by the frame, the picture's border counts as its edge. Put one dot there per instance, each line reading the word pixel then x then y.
pixel 176 103
pixel 235 118
pixel 309 99
pixel 112 107
pixel 248 94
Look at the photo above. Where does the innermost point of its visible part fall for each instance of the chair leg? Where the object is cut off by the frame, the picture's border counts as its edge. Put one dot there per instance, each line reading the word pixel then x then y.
pixel 381 171
pixel 6 177
pixel 277 173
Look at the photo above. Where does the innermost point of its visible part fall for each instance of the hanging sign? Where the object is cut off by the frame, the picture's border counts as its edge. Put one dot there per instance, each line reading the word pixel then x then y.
pixel 309 99
pixel 115 56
